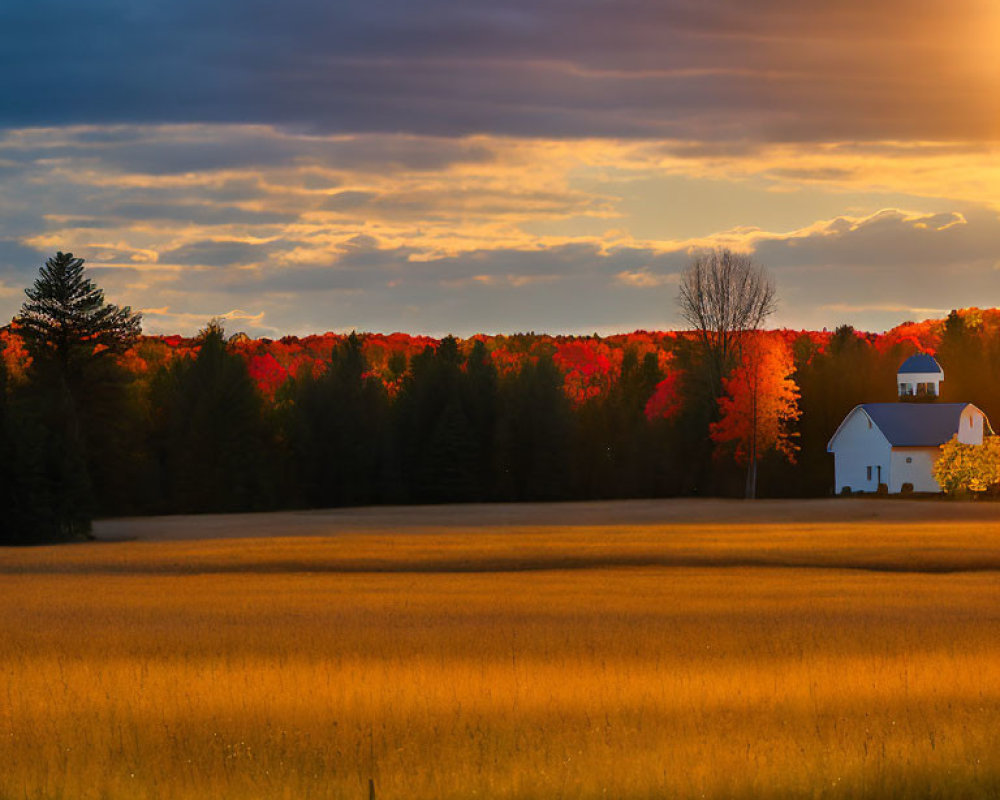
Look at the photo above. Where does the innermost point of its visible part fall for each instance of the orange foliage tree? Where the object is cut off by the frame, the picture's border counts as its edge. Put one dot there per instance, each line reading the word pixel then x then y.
pixel 759 405
pixel 15 355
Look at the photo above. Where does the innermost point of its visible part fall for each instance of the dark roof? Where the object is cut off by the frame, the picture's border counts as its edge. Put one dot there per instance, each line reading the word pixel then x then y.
pixel 916 424
pixel 921 362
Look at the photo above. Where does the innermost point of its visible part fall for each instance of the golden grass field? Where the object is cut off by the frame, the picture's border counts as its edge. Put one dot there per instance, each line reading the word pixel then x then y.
pixel 676 650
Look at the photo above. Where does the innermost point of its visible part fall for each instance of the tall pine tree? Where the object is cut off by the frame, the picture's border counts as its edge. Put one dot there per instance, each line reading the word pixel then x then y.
pixel 73 335
pixel 66 319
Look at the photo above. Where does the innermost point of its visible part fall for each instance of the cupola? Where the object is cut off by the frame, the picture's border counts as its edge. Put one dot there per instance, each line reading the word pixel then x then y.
pixel 920 376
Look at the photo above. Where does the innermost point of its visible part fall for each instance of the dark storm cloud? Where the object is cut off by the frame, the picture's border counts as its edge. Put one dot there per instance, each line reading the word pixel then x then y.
pixel 370 287
pixel 179 150
pixel 222 253
pixel 923 247
pixel 146 150
pixel 363 265
pixel 892 266
pixel 581 260
pixel 844 262
pixel 725 69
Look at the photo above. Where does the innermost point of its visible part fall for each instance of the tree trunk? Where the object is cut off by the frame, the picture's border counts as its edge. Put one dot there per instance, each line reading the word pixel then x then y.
pixel 751 487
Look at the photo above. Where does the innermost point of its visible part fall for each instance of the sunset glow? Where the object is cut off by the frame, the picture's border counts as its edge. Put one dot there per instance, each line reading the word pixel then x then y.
pixel 523 168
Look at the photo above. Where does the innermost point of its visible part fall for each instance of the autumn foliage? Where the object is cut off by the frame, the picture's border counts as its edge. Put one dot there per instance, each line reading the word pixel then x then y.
pixel 760 398
pixel 666 399
pixel 968 468
pixel 589 365
pixel 336 419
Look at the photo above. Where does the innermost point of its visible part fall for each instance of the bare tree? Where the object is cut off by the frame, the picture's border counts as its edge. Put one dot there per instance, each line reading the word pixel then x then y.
pixel 723 296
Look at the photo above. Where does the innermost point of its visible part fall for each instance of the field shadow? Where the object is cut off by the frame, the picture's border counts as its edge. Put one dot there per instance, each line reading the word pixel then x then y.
pixel 958 562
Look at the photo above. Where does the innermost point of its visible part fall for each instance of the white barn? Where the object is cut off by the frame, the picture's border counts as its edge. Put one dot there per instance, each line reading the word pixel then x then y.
pixel 898 443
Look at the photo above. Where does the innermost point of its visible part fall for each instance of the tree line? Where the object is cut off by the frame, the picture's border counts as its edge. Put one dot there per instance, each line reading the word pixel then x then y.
pixel 87 435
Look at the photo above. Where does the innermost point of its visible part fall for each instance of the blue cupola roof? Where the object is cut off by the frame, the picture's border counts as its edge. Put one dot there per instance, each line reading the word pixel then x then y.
pixel 920 362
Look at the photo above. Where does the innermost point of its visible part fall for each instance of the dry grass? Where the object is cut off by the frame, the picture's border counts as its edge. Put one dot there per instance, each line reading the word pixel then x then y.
pixel 637 661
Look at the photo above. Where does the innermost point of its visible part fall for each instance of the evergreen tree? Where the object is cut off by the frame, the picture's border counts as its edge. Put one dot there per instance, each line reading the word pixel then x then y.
pixel 622 461
pixel 67 321
pixel 335 427
pixel 533 438
pixel 688 467
pixel 28 513
pixel 213 441
pixel 961 355
pixel 436 444
pixel 480 397
pixel 77 388
pixel 447 467
pixel 636 451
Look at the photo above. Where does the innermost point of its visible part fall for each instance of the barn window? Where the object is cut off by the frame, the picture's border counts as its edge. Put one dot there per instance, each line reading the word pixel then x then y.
pixel 869 472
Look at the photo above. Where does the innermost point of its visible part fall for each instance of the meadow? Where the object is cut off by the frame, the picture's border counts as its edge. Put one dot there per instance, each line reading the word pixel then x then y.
pixel 823 649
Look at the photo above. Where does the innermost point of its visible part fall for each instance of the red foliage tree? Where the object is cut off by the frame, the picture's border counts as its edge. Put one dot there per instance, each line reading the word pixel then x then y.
pixel 665 401
pixel 589 367
pixel 266 373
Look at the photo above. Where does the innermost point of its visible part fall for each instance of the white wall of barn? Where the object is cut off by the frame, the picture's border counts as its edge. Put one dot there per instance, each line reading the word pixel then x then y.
pixel 914 465
pixel 970 426
pixel 858 445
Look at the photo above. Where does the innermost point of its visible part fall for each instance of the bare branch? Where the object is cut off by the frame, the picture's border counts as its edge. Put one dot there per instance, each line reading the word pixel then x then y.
pixel 723 296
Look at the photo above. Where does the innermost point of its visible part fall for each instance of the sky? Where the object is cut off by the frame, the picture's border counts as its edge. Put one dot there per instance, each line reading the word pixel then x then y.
pixel 495 166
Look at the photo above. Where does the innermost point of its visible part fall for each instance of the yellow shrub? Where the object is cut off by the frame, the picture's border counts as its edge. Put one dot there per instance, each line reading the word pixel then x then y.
pixel 968 467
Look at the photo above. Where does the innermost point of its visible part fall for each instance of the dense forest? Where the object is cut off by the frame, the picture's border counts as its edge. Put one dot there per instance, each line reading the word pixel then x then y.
pixel 227 423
